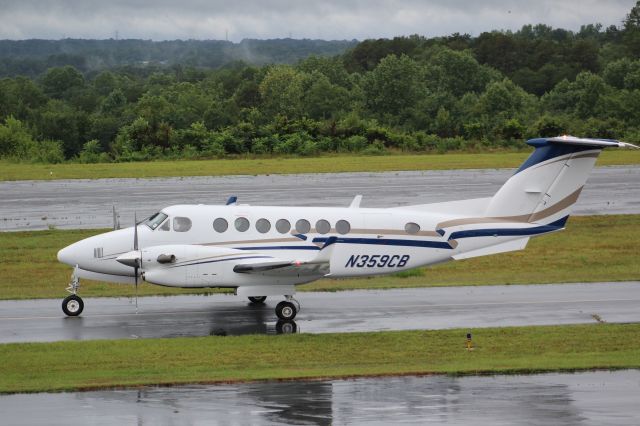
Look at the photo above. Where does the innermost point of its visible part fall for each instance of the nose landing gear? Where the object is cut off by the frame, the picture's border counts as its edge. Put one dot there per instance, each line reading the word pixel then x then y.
pixel 73 305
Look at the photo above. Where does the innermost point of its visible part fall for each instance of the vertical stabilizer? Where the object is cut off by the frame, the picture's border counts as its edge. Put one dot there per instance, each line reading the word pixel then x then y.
pixel 547 185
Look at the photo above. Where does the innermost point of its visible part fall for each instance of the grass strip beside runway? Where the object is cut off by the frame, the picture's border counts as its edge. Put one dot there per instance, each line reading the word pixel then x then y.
pixel 261 166
pixel 66 366
pixel 592 249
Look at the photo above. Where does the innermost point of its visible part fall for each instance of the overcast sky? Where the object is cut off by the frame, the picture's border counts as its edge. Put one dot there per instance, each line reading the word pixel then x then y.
pixel 323 19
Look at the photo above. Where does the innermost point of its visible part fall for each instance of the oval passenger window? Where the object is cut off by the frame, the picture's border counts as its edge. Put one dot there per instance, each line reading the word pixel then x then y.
pixel 263 226
pixel 322 226
pixel 343 227
pixel 283 226
pixel 412 228
pixel 242 224
pixel 220 224
pixel 303 226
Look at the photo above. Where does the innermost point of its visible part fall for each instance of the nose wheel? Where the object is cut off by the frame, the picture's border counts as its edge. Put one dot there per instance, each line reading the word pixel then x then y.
pixel 73 305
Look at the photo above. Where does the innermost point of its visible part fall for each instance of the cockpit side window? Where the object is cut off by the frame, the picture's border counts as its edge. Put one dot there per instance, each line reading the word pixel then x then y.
pixel 155 220
pixel 165 226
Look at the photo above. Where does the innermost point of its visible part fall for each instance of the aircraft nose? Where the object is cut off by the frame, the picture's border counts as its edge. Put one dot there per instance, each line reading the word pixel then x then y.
pixel 68 255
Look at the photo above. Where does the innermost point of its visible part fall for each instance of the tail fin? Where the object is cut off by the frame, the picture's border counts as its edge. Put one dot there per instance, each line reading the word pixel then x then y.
pixel 544 189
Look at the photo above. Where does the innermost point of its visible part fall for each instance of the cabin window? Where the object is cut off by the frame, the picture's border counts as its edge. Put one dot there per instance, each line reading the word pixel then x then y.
pixel 343 227
pixel 181 224
pixel 412 228
pixel 166 226
pixel 322 226
pixel 263 226
pixel 303 226
pixel 220 224
pixel 155 220
pixel 242 224
pixel 283 226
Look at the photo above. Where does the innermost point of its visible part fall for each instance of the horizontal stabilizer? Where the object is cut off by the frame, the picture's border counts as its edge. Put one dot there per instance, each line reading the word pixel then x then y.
pixel 572 140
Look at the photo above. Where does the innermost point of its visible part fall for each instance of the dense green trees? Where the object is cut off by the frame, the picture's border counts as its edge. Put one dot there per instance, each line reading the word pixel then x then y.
pixel 408 93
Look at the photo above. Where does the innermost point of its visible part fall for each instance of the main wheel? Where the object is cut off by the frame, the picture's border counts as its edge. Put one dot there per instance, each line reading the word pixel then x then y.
pixel 257 299
pixel 72 305
pixel 286 310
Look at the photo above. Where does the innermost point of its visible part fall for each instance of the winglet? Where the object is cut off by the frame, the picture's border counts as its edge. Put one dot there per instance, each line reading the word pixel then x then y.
pixel 232 200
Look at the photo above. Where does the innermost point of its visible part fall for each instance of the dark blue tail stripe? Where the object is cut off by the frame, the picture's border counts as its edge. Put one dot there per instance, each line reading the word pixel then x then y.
pixel 558 224
pixel 551 150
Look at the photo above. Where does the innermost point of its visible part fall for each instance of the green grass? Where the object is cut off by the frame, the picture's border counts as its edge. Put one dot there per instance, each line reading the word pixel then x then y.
pixel 261 166
pixel 66 366
pixel 593 248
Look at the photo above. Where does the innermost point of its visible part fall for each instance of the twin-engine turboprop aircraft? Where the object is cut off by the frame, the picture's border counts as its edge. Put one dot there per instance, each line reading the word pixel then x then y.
pixel 266 251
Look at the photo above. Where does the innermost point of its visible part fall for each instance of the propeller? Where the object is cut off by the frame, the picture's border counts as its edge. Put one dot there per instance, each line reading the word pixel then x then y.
pixel 138 262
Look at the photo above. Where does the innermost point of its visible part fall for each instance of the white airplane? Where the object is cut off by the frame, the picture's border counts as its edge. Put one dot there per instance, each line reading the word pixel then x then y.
pixel 265 251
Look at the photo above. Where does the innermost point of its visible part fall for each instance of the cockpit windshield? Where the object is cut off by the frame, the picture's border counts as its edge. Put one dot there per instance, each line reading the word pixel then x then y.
pixel 155 220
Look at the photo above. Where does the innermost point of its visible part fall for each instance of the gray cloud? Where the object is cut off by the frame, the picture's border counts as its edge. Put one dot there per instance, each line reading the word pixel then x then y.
pixel 330 19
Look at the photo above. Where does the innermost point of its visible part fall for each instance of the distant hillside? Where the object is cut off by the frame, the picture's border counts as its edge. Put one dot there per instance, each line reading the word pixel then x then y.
pixel 33 57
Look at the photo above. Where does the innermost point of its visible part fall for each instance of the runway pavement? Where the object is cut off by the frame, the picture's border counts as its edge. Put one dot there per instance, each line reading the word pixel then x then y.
pixel 427 308
pixel 588 398
pixel 27 205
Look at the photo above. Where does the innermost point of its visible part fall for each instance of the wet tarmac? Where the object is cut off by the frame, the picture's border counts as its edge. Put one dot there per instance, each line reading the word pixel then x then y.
pixel 88 203
pixel 349 311
pixel 589 398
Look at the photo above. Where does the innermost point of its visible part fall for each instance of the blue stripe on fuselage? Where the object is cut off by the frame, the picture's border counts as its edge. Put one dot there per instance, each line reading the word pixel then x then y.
pixel 278 248
pixel 387 242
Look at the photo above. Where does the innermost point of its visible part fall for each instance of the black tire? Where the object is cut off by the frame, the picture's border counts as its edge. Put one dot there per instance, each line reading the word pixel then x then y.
pixel 72 305
pixel 286 311
pixel 257 299
pixel 286 327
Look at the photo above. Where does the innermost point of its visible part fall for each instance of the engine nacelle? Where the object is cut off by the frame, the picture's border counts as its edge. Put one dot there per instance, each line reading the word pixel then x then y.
pixel 190 265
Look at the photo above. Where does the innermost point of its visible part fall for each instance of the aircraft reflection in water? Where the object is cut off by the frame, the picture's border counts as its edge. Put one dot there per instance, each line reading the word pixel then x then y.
pixel 558 399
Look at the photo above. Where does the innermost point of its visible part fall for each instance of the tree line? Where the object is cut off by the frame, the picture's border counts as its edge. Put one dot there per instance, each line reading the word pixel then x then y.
pixel 403 94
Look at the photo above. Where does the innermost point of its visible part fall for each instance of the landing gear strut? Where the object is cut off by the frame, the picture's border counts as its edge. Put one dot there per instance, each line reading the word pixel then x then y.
pixel 287 309
pixel 73 305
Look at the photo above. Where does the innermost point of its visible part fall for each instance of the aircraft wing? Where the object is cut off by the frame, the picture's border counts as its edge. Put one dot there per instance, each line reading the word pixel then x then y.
pixel 291 268
pixel 283 269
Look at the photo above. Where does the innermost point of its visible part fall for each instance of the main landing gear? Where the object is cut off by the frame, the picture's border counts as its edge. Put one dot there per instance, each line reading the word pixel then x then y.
pixel 287 309
pixel 257 300
pixel 73 305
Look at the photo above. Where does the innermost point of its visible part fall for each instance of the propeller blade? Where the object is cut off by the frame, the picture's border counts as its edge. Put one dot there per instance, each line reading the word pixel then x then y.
pixel 136 281
pixel 135 232
pixel 139 260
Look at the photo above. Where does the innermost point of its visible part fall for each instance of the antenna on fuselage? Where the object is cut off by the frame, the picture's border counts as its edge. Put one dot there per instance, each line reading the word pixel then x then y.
pixel 356 202
pixel 116 219
pixel 233 200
